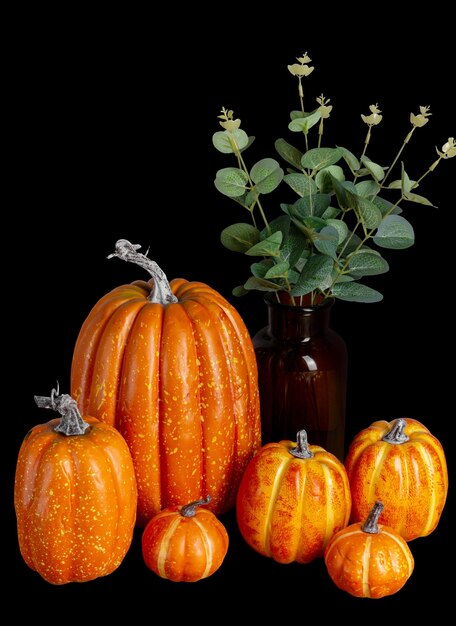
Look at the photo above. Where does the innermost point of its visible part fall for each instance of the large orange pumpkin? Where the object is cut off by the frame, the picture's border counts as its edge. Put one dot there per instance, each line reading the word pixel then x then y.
pixel 292 499
pixel 369 560
pixel 75 496
pixel 404 466
pixel 172 367
pixel 185 543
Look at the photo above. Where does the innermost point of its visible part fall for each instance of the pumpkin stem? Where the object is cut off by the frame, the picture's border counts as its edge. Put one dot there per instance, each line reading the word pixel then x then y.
pixel 189 510
pixel 371 524
pixel 302 449
pixel 71 422
pixel 396 435
pixel 161 292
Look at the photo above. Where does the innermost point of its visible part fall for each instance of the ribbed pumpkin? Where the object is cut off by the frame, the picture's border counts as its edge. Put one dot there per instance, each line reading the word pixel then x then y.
pixel 172 367
pixel 404 466
pixel 75 496
pixel 292 499
pixel 369 560
pixel 185 543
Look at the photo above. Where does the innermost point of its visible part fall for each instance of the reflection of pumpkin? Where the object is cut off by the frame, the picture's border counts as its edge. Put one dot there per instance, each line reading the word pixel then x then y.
pixel 291 500
pixel 173 369
pixel 185 543
pixel 75 496
pixel 404 466
pixel 369 560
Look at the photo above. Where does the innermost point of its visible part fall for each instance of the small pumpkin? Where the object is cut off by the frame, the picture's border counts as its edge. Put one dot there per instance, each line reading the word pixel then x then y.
pixel 185 543
pixel 404 466
pixel 292 498
pixel 172 367
pixel 369 560
pixel 75 496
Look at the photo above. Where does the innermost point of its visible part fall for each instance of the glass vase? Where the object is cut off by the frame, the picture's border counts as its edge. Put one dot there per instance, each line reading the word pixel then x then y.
pixel 302 375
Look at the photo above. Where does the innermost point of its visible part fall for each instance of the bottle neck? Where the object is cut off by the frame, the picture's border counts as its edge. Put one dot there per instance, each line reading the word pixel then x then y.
pixel 297 322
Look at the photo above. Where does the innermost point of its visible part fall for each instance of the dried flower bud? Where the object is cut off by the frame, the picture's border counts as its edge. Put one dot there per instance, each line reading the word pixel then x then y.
pixel 300 70
pixel 304 58
pixel 324 109
pixel 420 119
pixel 228 123
pixel 231 125
pixel 375 117
pixel 448 149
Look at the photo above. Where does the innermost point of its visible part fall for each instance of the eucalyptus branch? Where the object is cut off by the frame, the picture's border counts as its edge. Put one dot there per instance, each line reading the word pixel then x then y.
pixel 315 242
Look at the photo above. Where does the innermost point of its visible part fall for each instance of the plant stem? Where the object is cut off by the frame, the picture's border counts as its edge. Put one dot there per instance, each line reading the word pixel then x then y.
pixel 366 143
pixel 287 282
pixel 307 142
pixel 406 140
pixel 241 161
pixel 320 132
pixel 301 93
pixel 428 171
pixel 348 241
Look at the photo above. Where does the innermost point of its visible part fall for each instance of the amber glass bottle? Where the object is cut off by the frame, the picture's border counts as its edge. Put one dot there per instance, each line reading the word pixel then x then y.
pixel 302 373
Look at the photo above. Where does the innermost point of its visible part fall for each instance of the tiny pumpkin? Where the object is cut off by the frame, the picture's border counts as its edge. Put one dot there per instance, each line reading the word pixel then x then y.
pixel 185 543
pixel 292 499
pixel 369 560
pixel 404 466
pixel 74 495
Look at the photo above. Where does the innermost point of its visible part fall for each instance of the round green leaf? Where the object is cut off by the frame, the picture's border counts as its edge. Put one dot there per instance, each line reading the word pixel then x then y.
pixel 374 169
pixel 367 188
pixel 279 270
pixel 288 152
pixel 304 124
pixel 267 175
pixel 261 284
pixel 314 273
pixel 365 263
pixel 340 226
pixel 223 140
pixel 323 177
pixel 240 237
pixel 267 247
pixel 395 232
pixel 302 184
pixel 318 158
pixel 326 241
pixel 231 181
pixel 370 215
pixel 239 291
pixel 355 292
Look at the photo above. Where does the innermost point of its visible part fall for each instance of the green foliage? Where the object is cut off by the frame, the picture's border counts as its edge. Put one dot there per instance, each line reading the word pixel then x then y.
pixel 319 245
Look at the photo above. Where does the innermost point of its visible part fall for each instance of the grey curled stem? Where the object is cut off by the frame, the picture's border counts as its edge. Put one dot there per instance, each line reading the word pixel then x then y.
pixel 161 292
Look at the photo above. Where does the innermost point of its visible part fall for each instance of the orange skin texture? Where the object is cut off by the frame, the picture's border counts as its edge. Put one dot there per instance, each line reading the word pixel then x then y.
pixel 289 508
pixel 75 501
pixel 179 381
pixel 369 565
pixel 184 549
pixel 411 478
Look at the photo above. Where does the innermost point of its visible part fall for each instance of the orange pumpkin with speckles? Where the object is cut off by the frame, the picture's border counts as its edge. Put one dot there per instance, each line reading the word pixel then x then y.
pixel 369 560
pixel 172 367
pixel 404 466
pixel 75 496
pixel 185 543
pixel 292 499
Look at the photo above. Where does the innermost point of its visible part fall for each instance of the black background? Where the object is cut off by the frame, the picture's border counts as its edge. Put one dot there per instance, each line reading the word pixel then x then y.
pixel 111 120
